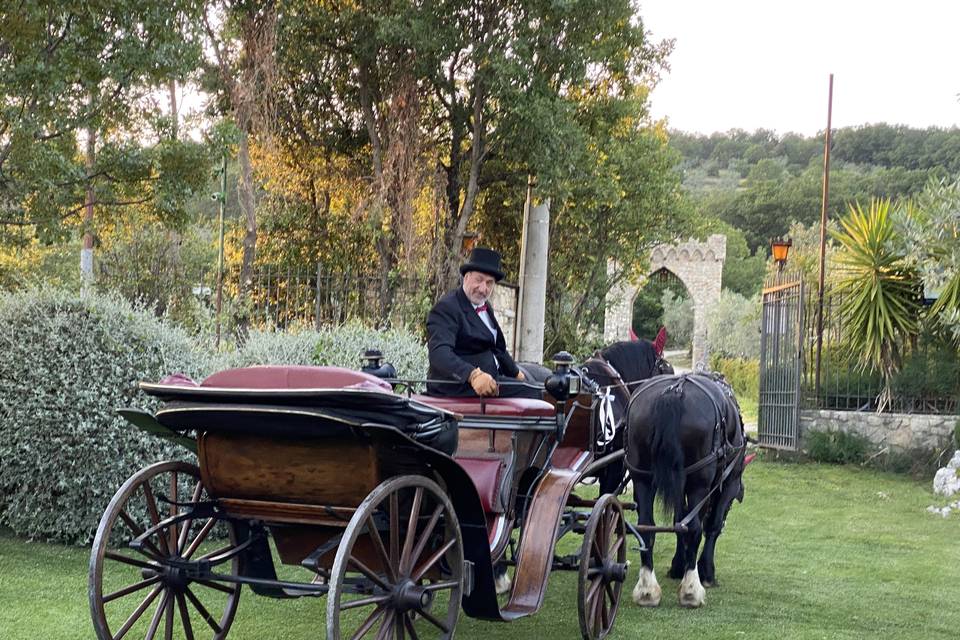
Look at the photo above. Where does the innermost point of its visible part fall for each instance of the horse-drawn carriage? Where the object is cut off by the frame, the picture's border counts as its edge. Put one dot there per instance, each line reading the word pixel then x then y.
pixel 320 481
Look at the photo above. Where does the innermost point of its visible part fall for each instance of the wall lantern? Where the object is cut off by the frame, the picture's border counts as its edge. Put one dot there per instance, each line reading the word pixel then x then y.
pixel 780 247
pixel 470 239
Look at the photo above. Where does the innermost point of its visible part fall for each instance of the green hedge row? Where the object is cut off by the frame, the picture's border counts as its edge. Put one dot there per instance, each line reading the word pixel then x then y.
pixel 67 363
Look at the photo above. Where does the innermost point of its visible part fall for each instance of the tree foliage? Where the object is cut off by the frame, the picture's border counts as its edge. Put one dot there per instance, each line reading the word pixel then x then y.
pixel 880 299
pixel 75 71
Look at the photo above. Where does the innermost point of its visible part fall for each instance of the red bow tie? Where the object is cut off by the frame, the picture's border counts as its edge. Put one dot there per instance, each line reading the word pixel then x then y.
pixel 482 307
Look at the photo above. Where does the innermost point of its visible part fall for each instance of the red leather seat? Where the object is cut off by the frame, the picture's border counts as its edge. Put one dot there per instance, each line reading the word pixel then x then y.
pixel 520 407
pixel 292 377
pixel 487 476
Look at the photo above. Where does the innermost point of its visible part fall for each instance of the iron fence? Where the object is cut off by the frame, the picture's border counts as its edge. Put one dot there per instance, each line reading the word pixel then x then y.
pixel 927 382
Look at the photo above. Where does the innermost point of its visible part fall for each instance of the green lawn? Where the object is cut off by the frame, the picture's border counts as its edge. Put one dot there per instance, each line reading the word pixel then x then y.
pixel 813 552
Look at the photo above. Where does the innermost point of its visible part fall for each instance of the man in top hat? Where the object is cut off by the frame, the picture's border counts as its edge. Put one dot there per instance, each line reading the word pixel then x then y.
pixel 465 341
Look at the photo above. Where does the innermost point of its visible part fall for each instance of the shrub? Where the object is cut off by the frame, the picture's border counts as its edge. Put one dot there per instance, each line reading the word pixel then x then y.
pixel 743 375
pixel 837 447
pixel 677 318
pixel 734 326
pixel 66 364
pixel 342 347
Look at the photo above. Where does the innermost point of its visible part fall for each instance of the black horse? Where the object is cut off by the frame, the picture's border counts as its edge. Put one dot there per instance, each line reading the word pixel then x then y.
pixel 686 443
pixel 616 369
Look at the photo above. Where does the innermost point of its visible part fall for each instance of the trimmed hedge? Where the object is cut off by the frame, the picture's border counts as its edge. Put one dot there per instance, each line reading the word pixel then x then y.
pixel 66 364
pixel 343 346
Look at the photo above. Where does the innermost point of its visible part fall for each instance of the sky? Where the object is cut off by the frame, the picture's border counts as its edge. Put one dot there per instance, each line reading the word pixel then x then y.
pixel 753 64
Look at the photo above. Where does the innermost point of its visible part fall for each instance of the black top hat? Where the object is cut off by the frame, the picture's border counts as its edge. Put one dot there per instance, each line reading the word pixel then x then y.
pixel 485 261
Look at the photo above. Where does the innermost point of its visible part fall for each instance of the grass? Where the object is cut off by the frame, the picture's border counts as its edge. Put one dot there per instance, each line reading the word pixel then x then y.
pixel 815 551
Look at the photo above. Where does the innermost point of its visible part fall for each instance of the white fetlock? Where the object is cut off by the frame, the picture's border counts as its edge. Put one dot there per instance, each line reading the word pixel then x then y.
pixel 502 584
pixel 647 592
pixel 692 593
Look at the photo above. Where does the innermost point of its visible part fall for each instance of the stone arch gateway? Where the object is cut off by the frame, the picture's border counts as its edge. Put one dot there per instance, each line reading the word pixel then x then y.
pixel 698 265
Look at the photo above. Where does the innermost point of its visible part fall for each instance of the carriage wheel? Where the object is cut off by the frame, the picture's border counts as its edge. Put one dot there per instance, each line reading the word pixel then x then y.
pixel 603 568
pixel 398 572
pixel 135 592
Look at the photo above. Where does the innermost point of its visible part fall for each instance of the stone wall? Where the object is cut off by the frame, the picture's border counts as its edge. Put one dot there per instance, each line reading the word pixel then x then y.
pixel 896 430
pixel 504 301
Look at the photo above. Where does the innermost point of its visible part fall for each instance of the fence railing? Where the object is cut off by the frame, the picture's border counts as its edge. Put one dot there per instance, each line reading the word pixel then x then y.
pixel 928 381
pixel 282 298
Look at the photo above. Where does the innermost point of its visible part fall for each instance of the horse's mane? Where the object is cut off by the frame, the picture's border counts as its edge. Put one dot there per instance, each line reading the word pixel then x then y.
pixel 635 360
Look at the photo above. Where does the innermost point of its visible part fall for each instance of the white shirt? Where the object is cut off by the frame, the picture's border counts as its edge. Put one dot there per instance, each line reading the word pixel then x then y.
pixel 485 317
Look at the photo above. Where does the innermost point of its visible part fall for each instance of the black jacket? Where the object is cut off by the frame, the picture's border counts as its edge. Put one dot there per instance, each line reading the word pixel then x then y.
pixel 459 342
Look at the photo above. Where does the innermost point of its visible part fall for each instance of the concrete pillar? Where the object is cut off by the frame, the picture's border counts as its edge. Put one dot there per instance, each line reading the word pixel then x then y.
pixel 533 287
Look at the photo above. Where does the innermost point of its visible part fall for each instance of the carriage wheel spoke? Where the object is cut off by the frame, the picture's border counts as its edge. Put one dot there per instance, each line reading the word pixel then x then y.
pixel 155 621
pixel 137 532
pixel 368 623
pixel 440 586
pixel 410 628
pixel 363 602
pixel 432 560
pixel 202 610
pixel 432 620
pixel 614 548
pixel 394 529
pixel 119 557
pixel 216 586
pixel 405 560
pixel 387 626
pixel 174 532
pixel 143 584
pixel 365 570
pixel 596 606
pixel 425 536
pixel 185 617
pixel 398 625
pixel 201 536
pixel 155 515
pixel 604 613
pixel 138 612
pixel 168 621
pixel 381 550
pixel 188 524
pixel 608 590
pixel 214 554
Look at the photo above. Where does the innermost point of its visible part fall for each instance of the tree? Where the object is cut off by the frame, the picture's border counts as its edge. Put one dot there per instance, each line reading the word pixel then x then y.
pixel 244 63
pixel 499 87
pixel 880 300
pixel 75 75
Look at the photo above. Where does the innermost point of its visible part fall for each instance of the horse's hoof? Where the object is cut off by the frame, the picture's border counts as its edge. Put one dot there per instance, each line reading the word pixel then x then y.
pixel 503 584
pixel 647 598
pixel 708 584
pixel 647 592
pixel 692 594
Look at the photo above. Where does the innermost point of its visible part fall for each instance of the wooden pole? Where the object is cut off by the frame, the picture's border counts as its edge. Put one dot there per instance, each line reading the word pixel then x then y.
pixel 823 236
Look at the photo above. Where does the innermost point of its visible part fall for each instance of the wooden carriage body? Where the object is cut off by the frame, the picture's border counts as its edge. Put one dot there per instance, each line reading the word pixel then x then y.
pixel 298 451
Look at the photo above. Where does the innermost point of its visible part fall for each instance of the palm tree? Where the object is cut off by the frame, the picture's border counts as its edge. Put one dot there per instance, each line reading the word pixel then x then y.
pixel 880 290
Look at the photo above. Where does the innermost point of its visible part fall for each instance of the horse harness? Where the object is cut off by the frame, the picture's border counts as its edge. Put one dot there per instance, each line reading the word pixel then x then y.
pixel 722 448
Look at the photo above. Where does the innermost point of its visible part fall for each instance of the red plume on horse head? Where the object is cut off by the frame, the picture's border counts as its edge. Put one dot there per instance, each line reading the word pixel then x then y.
pixel 660 341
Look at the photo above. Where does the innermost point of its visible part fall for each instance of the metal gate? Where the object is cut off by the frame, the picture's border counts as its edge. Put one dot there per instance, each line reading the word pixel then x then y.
pixel 781 355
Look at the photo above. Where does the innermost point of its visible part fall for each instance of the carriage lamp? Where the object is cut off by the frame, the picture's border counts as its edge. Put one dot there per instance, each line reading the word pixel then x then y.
pixel 780 247
pixel 372 359
pixel 374 365
pixel 562 384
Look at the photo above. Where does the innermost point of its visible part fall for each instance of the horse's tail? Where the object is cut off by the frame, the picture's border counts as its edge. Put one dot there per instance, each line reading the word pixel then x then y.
pixel 668 461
